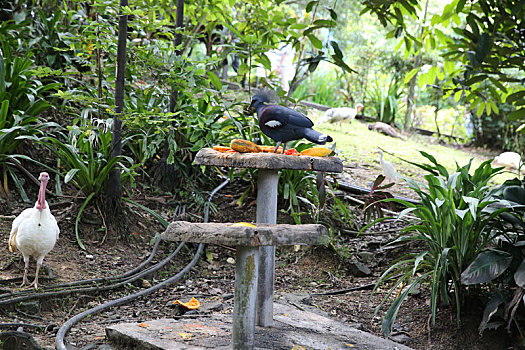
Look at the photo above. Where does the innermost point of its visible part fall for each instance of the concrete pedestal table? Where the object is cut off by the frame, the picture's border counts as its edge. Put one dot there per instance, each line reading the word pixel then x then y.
pixel 269 165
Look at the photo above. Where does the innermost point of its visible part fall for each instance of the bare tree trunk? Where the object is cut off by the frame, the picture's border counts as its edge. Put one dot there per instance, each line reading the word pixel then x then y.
pixel 412 84
pixel 114 187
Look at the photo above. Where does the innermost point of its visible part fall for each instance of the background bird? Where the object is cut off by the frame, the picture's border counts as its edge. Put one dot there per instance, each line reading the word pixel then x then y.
pixel 338 115
pixel 385 129
pixel 35 231
pixel 510 160
pixel 283 124
pixel 388 169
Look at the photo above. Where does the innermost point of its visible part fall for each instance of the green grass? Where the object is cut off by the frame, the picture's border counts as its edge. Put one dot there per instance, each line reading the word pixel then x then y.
pixel 357 144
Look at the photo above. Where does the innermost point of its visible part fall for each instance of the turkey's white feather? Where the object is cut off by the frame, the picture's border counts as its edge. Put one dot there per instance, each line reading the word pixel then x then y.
pixel 34 233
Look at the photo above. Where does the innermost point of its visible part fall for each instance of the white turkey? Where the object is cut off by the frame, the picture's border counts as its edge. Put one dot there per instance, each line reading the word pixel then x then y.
pixel 338 115
pixel 34 232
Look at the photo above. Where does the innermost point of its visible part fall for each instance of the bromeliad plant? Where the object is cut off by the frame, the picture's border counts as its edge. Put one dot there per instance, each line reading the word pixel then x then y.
pixel 85 158
pixel 455 220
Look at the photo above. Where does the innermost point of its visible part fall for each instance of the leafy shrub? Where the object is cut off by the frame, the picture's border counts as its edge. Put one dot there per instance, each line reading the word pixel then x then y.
pixel 21 103
pixel 455 222
pixel 500 269
pixel 85 159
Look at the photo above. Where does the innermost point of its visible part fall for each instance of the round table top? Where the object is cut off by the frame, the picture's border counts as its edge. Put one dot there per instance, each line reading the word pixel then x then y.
pixel 208 156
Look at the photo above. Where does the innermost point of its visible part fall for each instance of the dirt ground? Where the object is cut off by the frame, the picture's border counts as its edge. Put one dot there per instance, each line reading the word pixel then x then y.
pixel 316 271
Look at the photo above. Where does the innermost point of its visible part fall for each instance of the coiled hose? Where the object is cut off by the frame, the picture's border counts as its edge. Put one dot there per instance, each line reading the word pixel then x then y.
pixel 59 343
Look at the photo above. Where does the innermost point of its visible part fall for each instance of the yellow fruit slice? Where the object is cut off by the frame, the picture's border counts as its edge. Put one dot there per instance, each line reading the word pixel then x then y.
pixel 316 152
pixel 246 224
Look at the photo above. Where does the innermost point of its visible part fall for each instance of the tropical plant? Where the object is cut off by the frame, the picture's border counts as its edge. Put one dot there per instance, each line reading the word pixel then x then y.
pixel 454 220
pixel 501 268
pixel 85 162
pixel 386 99
pixel 491 69
pixel 21 103
pixel 373 206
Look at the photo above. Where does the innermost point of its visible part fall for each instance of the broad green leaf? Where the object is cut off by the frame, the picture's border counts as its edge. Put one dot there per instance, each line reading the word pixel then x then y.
pixel 480 109
pixel 457 95
pixel 70 175
pixel 311 5
pixel 315 42
pixel 519 275
pixel 214 80
pixel 515 96
pixel 490 309
pixel 487 266
pixel 514 194
pixel 460 5
pixel 324 23
pixel 411 74
pixel 483 47
pixel 337 50
pixel 517 114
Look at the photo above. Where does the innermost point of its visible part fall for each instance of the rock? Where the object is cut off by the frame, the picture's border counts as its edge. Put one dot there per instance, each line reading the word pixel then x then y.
pixel 146 283
pixel 216 291
pixel 401 338
pixel 210 307
pixel 359 269
pixel 105 347
pixel 365 256
pixel 90 346
pixel 230 261
pixel 31 307
pixel 415 291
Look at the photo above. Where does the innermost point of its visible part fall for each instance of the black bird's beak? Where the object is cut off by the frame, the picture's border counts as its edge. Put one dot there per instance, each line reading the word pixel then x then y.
pixel 249 110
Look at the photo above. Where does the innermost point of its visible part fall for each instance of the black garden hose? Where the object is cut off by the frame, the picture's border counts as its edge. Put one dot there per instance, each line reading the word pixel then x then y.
pixel 77 318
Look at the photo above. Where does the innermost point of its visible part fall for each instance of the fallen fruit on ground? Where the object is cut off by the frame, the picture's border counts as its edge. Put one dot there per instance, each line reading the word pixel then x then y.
pixel 192 304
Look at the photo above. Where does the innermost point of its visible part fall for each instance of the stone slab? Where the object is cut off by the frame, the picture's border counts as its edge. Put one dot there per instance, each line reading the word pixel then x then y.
pixel 208 156
pixel 230 234
pixel 293 329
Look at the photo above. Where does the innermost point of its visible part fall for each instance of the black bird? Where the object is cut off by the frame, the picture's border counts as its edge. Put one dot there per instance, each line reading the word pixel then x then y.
pixel 283 124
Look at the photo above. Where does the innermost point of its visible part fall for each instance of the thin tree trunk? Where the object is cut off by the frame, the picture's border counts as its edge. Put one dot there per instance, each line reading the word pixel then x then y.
pixel 165 173
pixel 412 84
pixel 114 187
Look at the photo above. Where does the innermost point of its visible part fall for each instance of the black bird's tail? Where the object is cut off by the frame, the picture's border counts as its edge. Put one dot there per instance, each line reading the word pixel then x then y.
pixel 316 137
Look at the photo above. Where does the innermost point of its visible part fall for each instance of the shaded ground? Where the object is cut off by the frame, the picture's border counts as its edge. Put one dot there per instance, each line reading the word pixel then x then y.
pixel 309 270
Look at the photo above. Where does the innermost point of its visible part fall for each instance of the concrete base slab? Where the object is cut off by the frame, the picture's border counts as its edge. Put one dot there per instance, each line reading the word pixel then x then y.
pixel 292 329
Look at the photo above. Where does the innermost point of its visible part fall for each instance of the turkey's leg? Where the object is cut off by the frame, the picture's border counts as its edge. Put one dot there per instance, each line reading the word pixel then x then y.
pixel 35 282
pixel 26 268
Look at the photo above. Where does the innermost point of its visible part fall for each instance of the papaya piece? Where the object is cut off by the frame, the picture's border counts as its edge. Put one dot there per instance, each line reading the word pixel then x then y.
pixel 291 152
pixel 222 149
pixel 244 146
pixel 270 149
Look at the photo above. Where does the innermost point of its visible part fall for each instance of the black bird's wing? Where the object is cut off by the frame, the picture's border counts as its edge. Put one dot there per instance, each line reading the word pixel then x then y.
pixel 285 116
